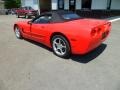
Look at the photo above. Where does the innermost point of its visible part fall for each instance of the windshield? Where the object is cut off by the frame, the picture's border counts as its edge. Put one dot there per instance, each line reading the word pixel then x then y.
pixel 28 8
pixel 70 16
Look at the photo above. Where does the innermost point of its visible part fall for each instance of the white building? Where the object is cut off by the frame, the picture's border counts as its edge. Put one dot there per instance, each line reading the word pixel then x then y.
pixel 72 4
pixel 32 3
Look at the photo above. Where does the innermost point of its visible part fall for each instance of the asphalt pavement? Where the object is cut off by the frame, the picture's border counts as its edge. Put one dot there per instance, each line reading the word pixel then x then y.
pixel 27 65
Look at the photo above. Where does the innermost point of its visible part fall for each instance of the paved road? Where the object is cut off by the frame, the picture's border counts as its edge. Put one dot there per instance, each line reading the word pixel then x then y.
pixel 26 65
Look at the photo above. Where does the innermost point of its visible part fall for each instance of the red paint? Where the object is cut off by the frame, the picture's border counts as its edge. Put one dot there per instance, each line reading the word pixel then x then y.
pixel 23 11
pixel 84 35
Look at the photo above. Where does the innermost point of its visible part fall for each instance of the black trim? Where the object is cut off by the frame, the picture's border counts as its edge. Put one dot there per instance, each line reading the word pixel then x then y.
pixel 86 4
pixel 72 6
pixel 100 14
pixel 109 4
pixel 56 16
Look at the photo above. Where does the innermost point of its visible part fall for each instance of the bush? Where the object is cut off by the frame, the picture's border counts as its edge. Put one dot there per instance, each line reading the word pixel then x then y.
pixel 12 4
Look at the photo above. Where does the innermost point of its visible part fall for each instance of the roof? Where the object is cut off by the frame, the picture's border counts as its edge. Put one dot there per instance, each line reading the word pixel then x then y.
pixel 57 15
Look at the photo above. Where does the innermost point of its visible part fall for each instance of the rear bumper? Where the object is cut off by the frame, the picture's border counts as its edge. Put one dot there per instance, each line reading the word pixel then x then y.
pixel 85 46
pixel 84 49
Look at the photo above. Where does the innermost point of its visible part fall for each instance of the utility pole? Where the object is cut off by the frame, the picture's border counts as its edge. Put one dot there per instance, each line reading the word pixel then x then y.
pixel 39 6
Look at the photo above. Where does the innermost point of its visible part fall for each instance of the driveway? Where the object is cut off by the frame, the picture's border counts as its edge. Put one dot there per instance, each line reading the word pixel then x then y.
pixel 27 65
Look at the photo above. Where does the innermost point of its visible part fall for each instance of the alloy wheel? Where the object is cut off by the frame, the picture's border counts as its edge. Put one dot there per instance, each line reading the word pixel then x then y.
pixel 59 46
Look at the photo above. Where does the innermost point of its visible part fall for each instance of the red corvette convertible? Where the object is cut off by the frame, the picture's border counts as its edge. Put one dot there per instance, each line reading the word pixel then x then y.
pixel 65 32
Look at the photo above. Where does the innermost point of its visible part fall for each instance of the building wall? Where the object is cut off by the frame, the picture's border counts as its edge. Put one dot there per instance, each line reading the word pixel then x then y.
pixel 96 4
pixel 54 4
pixel 1 4
pixel 32 3
pixel 99 4
pixel 115 4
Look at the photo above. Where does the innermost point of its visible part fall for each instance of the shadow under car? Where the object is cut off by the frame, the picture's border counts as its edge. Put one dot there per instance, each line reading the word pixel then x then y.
pixel 78 58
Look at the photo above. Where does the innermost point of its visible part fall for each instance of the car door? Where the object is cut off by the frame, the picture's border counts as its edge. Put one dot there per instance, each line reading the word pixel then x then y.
pixel 26 29
pixel 40 27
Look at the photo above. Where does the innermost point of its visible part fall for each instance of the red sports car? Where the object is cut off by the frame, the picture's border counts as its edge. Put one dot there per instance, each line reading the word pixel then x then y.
pixel 65 32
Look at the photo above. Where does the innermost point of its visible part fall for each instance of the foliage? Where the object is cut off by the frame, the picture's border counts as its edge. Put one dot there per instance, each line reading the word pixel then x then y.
pixel 12 4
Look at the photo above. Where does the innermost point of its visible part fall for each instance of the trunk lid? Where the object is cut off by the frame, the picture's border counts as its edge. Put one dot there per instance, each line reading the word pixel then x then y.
pixel 89 23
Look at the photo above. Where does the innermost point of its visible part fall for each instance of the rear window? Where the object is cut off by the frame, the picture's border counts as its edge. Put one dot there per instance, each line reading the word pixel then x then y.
pixel 70 16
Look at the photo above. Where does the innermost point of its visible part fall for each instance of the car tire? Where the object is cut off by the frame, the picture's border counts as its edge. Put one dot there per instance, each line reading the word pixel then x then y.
pixel 18 16
pixel 17 32
pixel 61 46
pixel 27 16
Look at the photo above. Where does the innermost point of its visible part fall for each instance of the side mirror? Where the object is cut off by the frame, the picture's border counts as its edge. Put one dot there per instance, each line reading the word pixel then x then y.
pixel 29 22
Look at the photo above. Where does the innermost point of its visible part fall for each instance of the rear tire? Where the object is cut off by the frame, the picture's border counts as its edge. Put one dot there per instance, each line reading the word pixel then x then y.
pixel 18 33
pixel 61 46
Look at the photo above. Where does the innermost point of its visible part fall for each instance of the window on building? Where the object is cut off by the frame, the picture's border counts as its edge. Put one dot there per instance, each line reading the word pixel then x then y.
pixel 35 1
pixel 86 4
pixel 72 4
pixel 45 5
pixel 61 4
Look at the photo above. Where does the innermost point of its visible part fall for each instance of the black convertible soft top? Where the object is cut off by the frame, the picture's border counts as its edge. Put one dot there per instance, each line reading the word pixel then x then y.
pixel 57 15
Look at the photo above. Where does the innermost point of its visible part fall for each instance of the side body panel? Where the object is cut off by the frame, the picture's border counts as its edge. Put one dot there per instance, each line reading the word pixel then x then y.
pixel 77 32
pixel 40 32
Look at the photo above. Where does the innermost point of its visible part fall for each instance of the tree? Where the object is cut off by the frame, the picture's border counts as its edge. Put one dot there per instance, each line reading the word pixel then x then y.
pixel 12 4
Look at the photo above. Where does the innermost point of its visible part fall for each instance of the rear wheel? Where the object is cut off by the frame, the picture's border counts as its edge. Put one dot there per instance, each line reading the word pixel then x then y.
pixel 61 46
pixel 18 33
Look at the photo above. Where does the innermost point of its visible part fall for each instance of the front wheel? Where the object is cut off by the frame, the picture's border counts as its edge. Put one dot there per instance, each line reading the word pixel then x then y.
pixel 18 16
pixel 18 33
pixel 61 46
pixel 27 16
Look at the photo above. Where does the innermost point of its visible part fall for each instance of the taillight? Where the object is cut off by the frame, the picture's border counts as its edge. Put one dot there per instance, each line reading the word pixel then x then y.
pixel 93 32
pixel 96 31
pixel 99 30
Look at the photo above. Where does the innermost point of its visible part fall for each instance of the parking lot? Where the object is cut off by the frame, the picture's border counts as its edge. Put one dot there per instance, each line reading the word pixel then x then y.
pixel 27 65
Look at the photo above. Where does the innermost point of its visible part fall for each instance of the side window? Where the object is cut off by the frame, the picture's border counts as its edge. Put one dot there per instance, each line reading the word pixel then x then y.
pixel 43 19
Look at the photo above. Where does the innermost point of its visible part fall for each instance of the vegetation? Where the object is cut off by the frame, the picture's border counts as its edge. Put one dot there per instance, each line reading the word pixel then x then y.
pixel 12 4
